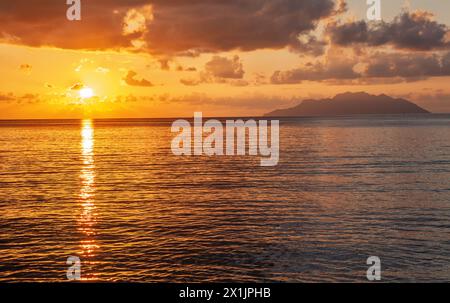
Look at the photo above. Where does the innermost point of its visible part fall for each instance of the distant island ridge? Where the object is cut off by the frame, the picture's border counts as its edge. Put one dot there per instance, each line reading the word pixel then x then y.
pixel 360 103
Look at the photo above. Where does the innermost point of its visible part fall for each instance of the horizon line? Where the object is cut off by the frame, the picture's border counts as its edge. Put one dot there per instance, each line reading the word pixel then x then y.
pixel 222 117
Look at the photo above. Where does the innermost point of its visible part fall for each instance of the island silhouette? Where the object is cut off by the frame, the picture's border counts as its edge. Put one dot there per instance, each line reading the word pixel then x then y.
pixel 360 103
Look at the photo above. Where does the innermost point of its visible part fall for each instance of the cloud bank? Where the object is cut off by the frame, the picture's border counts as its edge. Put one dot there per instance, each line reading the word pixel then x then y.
pixel 409 30
pixel 165 26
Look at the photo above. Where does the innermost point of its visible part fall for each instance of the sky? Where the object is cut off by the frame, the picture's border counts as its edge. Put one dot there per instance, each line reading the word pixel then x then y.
pixel 171 58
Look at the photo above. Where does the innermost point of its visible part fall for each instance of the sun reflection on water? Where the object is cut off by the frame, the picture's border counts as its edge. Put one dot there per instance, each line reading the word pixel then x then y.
pixel 88 216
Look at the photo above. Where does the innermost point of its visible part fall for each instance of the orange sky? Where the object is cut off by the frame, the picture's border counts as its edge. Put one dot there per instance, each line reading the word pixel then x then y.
pixel 138 62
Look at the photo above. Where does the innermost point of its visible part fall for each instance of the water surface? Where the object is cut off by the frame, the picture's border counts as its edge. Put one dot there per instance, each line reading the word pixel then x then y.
pixel 112 193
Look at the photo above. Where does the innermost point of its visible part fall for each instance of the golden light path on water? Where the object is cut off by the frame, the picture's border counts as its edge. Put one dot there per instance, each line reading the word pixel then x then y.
pixel 88 218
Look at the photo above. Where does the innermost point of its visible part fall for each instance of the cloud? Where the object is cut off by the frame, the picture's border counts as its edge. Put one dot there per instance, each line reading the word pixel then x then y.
pixel 437 101
pixel 27 68
pixel 221 67
pixel 335 66
pixel 191 81
pixel 220 70
pixel 99 28
pixel 126 99
pixel 259 79
pixel 315 72
pixel 132 81
pixel 7 97
pixel 369 68
pixel 165 26
pixel 228 25
pixel 164 63
pixel 309 45
pixel 29 98
pixel 25 98
pixel 412 66
pixel 409 30
pixel 254 102
pixel 135 20
pixel 181 68
pixel 77 86
pixel 239 83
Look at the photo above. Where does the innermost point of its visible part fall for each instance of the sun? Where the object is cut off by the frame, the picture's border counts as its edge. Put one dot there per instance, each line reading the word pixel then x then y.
pixel 86 93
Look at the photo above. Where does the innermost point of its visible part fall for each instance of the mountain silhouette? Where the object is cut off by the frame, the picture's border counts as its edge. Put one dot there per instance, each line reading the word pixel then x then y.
pixel 351 104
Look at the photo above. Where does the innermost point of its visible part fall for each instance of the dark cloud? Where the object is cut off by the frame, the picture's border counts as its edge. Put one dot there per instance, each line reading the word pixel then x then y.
pixel 372 68
pixel 220 25
pixel 131 80
pixel 309 45
pixel 409 30
pixel 44 22
pixel 220 70
pixel 334 67
pixel 221 67
pixel 316 72
pixel 384 65
pixel 166 26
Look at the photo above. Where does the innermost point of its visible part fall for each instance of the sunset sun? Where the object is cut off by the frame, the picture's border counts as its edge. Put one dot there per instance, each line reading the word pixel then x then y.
pixel 86 93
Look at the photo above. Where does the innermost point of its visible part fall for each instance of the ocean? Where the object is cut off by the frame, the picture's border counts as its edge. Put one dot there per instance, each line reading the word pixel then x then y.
pixel 112 193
